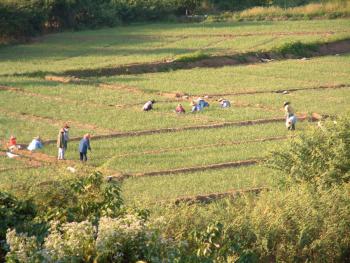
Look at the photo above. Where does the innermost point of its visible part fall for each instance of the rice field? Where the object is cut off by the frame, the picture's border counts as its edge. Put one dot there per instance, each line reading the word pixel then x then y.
pixel 31 105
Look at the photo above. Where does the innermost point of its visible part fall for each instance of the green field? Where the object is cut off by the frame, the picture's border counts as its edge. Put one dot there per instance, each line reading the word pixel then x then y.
pixel 40 107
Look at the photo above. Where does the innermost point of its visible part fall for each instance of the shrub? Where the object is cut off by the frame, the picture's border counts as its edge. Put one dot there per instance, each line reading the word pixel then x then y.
pixel 321 156
pixel 298 49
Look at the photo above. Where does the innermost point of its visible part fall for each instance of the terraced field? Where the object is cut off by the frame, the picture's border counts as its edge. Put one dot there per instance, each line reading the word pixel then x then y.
pixel 158 155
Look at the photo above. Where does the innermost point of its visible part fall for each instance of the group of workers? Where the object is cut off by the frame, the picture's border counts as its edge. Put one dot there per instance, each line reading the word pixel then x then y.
pixel 84 144
pixel 62 144
pixel 200 104
pixel 196 105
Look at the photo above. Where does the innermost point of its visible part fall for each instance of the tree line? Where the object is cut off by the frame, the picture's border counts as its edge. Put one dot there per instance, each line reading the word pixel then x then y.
pixel 24 18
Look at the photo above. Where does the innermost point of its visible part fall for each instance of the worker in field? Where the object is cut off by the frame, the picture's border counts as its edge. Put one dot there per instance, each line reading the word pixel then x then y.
pixel 202 103
pixel 35 144
pixel 179 109
pixel 148 105
pixel 66 134
pixel 12 144
pixel 291 119
pixel 84 146
pixel 61 144
pixel 195 107
pixel 224 103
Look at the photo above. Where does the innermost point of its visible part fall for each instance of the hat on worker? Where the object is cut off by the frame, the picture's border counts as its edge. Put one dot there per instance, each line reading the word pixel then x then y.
pixel 221 99
pixel 286 103
pixel 36 138
pixel 87 135
pixel 66 126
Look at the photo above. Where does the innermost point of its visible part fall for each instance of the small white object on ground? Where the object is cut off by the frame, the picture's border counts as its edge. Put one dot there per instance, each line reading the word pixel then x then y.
pixel 11 155
pixel 304 58
pixel 71 169
pixel 285 92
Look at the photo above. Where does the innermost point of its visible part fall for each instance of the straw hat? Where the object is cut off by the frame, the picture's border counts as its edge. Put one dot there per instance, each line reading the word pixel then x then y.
pixel 36 138
pixel 12 137
pixel 87 136
pixel 286 103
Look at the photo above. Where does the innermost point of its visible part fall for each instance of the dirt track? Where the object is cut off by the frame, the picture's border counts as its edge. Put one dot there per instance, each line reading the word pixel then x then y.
pixel 168 130
pixel 190 169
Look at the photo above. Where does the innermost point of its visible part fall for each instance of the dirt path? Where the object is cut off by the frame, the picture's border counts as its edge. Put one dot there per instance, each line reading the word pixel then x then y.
pixel 207 198
pixel 190 169
pixel 338 47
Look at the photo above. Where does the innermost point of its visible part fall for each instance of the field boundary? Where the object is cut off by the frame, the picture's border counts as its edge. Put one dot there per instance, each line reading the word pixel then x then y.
pixel 202 146
pixel 211 197
pixel 180 129
pixel 214 166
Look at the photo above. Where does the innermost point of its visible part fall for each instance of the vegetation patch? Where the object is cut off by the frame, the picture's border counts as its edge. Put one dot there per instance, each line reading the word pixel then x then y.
pixel 198 55
pixel 297 49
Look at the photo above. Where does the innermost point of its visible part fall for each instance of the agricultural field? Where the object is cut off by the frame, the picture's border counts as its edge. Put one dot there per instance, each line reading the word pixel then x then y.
pixel 160 155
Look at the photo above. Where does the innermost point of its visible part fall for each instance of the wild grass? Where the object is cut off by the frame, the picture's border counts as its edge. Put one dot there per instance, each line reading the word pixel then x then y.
pixel 327 10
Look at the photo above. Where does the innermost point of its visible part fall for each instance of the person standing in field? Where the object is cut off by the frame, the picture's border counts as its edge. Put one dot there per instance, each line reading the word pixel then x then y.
pixel 61 144
pixel 291 119
pixel 84 145
pixel 66 135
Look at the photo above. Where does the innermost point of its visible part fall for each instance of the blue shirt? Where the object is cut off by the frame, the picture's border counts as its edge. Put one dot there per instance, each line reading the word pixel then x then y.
pixel 84 145
pixel 34 145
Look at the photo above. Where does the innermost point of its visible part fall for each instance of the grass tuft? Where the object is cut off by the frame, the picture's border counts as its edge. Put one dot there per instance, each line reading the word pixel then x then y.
pixel 191 57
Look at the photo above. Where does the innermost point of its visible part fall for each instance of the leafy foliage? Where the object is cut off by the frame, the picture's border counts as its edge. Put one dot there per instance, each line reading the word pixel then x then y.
pixel 321 156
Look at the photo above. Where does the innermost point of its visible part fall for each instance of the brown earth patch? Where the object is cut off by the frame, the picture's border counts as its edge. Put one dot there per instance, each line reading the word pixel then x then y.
pixel 67 79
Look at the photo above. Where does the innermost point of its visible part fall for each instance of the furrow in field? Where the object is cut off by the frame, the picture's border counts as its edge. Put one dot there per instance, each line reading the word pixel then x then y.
pixel 203 146
pixel 191 169
pixel 294 33
pixel 168 130
pixel 207 198
pixel 54 122
pixel 276 91
pixel 332 48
